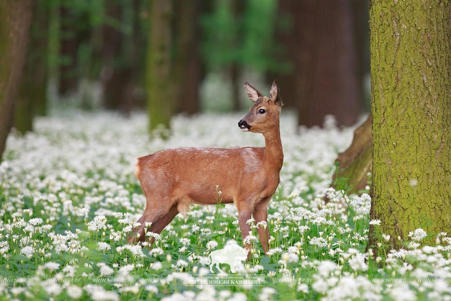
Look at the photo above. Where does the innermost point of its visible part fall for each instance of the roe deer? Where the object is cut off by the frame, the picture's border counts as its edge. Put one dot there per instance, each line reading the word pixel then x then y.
pixel 247 176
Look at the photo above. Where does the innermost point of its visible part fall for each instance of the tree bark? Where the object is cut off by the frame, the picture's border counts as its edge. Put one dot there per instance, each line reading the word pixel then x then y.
pixel 326 71
pixel 235 70
pixel 287 32
pixel 160 84
pixel 410 65
pixel 354 164
pixel 32 96
pixel 121 56
pixel 188 62
pixel 69 43
pixel 15 16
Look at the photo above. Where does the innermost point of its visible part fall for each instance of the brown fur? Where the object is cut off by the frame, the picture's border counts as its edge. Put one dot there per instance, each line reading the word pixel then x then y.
pixel 248 176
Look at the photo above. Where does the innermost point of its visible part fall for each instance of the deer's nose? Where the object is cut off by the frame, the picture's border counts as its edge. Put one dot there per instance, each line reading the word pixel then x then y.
pixel 243 125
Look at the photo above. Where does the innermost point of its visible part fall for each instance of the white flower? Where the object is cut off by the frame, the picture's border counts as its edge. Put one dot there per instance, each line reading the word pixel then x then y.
pixel 27 251
pixel 99 293
pixel 105 270
pixel 51 287
pixel 151 288
pixel 418 234
pixel 182 263
pixel 74 291
pixel 302 287
pixel 357 262
pixel 51 266
pixel 156 265
pixel 401 292
pixel 262 224
pixel 35 221
pixel 212 244
pixel 326 267
pixel 103 246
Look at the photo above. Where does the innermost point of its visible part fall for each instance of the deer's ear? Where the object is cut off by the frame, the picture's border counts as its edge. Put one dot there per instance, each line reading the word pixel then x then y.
pixel 252 93
pixel 274 92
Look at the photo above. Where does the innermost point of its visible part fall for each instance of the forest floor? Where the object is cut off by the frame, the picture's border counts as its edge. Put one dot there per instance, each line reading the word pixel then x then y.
pixel 69 197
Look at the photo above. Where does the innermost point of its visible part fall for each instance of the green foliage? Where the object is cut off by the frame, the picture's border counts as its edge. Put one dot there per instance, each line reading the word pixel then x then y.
pixel 245 38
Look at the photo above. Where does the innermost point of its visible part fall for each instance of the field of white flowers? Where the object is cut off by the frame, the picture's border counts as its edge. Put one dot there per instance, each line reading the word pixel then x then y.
pixel 69 198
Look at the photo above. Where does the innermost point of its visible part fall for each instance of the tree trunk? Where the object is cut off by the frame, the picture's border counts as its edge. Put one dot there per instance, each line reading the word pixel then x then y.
pixel 410 65
pixel 354 164
pixel 188 61
pixel 235 71
pixel 362 44
pixel 287 33
pixel 112 78
pixel 160 84
pixel 70 40
pixel 326 71
pixel 32 97
pixel 14 25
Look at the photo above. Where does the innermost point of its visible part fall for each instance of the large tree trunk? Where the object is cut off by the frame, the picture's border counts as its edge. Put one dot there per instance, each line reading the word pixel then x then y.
pixel 32 97
pixel 160 84
pixel 410 63
pixel 326 65
pixel 15 18
pixel 188 61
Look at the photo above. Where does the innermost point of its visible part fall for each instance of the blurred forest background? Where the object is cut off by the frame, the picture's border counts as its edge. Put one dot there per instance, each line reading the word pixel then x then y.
pixel 167 57
pixel 170 57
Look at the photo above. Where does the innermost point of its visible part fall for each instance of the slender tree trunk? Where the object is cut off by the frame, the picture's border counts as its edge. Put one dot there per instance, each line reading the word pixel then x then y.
pixel 112 80
pixel 160 84
pixel 69 43
pixel 15 16
pixel 188 61
pixel 326 71
pixel 235 71
pixel 236 85
pixel 410 72
pixel 287 33
pixel 32 96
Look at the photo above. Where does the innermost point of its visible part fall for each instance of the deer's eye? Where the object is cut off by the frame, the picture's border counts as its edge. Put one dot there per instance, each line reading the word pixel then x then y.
pixel 261 111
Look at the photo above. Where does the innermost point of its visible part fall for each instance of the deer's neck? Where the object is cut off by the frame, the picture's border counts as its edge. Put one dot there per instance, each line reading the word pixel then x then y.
pixel 273 150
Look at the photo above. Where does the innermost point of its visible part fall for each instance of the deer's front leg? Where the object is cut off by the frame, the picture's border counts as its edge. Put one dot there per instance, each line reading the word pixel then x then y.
pixel 244 214
pixel 261 215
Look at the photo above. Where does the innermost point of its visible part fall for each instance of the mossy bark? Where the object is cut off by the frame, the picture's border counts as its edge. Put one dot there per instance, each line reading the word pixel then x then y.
pixel 354 164
pixel 15 18
pixel 160 85
pixel 410 56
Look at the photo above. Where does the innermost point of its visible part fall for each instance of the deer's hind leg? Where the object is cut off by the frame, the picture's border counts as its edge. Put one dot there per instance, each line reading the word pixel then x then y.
pixel 163 221
pixel 154 212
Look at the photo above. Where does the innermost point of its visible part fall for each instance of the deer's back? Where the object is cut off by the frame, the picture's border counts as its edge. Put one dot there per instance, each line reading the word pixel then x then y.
pixel 201 173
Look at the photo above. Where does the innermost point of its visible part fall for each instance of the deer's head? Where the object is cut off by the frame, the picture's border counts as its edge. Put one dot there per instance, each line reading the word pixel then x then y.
pixel 264 114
